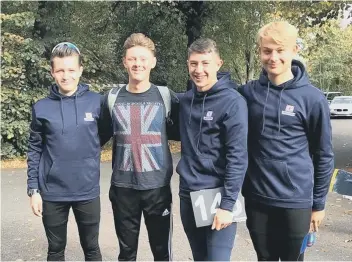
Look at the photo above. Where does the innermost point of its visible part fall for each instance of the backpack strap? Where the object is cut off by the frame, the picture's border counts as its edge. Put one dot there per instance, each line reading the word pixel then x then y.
pixel 163 90
pixel 166 96
pixel 113 93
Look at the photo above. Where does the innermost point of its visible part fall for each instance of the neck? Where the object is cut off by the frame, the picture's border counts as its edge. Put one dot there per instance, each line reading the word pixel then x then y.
pixel 70 93
pixel 138 87
pixel 207 87
pixel 282 78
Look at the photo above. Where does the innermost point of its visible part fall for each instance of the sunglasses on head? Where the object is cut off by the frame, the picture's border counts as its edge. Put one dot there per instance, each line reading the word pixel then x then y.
pixel 69 45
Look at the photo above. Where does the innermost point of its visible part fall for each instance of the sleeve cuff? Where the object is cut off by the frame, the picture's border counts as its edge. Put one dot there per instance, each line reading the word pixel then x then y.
pixel 318 207
pixel 227 205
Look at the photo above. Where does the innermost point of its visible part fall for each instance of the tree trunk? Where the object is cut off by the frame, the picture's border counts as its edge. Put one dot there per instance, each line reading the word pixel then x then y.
pixel 39 28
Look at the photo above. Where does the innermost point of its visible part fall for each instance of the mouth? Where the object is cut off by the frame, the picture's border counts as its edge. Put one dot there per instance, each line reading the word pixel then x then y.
pixel 198 78
pixel 273 66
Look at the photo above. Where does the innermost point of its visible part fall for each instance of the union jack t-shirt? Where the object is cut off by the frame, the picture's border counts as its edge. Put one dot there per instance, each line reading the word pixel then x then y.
pixel 141 156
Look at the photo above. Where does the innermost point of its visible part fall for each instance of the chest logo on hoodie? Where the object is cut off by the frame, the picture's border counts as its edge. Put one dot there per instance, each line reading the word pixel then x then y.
pixel 208 116
pixel 89 117
pixel 289 111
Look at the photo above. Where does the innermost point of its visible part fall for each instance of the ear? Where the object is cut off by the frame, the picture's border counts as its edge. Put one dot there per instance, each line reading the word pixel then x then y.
pixel 220 63
pixel 295 49
pixel 154 62
pixel 80 71
pixel 124 62
pixel 52 72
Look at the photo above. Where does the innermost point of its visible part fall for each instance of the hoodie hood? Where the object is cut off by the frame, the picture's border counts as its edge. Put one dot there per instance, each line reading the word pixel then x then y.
pixel 300 79
pixel 56 95
pixel 224 79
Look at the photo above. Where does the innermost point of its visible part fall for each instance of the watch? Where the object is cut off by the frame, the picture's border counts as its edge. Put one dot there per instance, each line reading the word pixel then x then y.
pixel 31 192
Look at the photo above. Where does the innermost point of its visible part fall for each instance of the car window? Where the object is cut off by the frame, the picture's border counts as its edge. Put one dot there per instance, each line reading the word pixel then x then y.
pixel 341 100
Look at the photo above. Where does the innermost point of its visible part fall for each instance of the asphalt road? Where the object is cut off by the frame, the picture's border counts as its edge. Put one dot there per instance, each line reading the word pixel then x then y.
pixel 23 237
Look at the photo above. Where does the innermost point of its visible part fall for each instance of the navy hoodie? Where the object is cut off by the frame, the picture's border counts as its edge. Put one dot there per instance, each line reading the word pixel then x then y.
pixel 213 130
pixel 289 142
pixel 64 146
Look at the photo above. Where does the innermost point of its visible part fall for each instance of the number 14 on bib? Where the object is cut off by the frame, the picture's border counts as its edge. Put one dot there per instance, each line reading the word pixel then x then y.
pixel 205 203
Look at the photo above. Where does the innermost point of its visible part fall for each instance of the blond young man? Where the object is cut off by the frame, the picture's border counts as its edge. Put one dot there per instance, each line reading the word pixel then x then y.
pixel 290 149
pixel 142 163
pixel 213 131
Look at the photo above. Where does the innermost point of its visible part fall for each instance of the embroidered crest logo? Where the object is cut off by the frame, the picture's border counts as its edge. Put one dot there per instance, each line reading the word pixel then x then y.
pixel 289 111
pixel 208 116
pixel 89 117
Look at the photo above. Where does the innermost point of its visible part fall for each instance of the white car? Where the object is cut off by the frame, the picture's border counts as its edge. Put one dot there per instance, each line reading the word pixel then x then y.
pixel 341 106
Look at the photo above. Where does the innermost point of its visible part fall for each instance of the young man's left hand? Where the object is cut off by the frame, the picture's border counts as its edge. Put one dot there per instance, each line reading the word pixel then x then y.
pixel 317 218
pixel 223 218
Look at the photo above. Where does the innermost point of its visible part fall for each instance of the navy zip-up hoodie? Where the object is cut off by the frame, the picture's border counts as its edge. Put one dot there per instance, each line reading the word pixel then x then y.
pixel 64 146
pixel 213 130
pixel 289 142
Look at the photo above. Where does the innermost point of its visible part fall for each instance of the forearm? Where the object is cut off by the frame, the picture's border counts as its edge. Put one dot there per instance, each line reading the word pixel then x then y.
pixel 323 170
pixel 33 159
pixel 236 156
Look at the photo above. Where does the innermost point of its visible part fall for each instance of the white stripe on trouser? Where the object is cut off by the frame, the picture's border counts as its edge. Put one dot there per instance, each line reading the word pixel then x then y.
pixel 170 233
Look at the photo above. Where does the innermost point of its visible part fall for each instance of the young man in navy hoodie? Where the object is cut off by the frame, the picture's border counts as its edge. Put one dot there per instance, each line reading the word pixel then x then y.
pixel 64 156
pixel 213 130
pixel 289 146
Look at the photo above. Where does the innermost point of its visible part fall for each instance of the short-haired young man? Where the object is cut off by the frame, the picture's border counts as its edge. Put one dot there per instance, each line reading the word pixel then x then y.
pixel 142 163
pixel 64 156
pixel 289 146
pixel 213 130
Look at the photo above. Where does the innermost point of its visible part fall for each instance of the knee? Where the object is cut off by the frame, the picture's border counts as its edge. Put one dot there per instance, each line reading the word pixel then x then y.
pixel 57 247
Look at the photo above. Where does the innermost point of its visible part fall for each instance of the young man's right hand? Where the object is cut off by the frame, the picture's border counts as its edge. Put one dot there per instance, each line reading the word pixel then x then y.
pixel 36 203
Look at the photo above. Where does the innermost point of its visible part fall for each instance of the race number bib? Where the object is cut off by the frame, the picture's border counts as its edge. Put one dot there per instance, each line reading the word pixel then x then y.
pixel 205 202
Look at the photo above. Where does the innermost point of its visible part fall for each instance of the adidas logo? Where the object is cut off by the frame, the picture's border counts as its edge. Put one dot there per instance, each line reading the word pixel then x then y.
pixel 166 212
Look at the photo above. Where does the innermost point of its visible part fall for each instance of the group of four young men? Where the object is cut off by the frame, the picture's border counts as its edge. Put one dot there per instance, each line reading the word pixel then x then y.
pixel 285 165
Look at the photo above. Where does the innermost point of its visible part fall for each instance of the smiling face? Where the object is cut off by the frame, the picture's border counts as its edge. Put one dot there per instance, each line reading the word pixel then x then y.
pixel 139 61
pixel 203 68
pixel 66 71
pixel 276 58
pixel 277 47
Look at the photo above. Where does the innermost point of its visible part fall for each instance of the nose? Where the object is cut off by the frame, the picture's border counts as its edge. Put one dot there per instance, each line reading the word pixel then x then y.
pixel 65 75
pixel 137 62
pixel 274 55
pixel 198 68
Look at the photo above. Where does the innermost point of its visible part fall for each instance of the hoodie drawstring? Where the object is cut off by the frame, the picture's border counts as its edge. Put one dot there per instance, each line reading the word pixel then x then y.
pixel 76 109
pixel 190 111
pixel 266 99
pixel 62 115
pixel 279 113
pixel 201 122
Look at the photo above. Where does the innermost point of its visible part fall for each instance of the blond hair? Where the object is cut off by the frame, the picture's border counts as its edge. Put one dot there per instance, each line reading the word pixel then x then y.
pixel 281 32
pixel 139 39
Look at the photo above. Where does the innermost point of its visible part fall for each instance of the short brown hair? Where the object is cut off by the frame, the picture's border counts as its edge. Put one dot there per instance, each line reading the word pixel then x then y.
pixel 282 32
pixel 139 39
pixel 203 45
pixel 65 49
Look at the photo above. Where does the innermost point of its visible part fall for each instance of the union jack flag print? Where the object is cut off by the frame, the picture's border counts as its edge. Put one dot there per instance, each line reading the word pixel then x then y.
pixel 138 136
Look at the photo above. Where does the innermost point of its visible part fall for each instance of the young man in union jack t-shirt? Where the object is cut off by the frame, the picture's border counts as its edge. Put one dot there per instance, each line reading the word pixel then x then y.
pixel 138 117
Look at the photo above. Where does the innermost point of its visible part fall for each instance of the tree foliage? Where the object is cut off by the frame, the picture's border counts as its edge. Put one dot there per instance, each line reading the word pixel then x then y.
pixel 99 28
